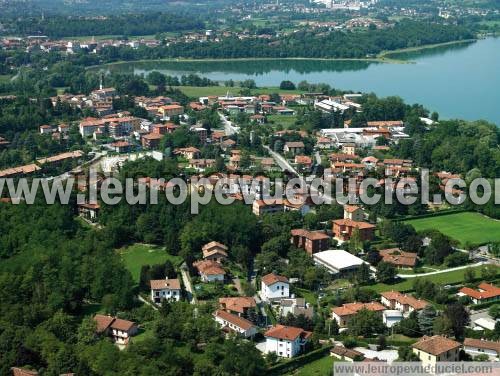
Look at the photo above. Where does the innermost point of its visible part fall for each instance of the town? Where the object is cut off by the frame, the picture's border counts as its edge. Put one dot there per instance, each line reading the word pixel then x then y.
pixel 279 275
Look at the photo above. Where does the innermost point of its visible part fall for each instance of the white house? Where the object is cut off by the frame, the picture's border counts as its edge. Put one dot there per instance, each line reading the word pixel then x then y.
pixel 402 302
pixel 119 330
pixel 476 347
pixel 274 287
pixel 169 289
pixel 234 323
pixel 391 317
pixel 286 341
pixel 338 261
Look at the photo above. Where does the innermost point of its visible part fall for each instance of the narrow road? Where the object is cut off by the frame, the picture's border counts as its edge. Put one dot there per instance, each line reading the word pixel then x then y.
pixel 229 128
pixel 282 162
pixel 145 301
pixel 237 284
pixel 187 284
pixel 442 271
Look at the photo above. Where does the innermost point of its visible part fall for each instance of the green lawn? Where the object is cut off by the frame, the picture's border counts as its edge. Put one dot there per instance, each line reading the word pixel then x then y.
pixel 4 78
pixel 285 120
pixel 320 367
pixel 308 295
pixel 137 255
pixel 455 276
pixel 465 227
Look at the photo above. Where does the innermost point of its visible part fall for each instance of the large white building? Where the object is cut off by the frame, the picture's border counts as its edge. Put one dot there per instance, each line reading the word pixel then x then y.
pixel 475 347
pixel 274 287
pixel 338 261
pixel 286 341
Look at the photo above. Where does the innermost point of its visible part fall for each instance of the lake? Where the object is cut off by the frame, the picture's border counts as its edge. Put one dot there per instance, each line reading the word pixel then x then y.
pixel 458 81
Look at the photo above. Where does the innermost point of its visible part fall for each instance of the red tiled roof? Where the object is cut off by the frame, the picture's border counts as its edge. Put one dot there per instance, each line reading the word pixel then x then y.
pixel 482 344
pixel 237 304
pixel 17 371
pixel 162 284
pixel 353 308
pixel 436 345
pixel 415 303
pixel 240 322
pixel 123 325
pixel 311 235
pixel 488 291
pixel 397 257
pixel 350 223
pixel 209 267
pixel 103 322
pixel 289 333
pixel 271 279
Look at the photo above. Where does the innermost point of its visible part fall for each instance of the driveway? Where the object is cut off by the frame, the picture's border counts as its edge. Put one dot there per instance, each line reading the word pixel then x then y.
pixel 442 271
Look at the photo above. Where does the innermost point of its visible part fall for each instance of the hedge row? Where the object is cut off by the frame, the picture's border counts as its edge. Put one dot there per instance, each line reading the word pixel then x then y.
pixel 435 214
pixel 299 361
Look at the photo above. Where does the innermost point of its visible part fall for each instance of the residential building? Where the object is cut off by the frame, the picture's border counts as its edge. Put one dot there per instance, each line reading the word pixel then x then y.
pixel 345 354
pixel 286 341
pixel 344 314
pixel 239 305
pixel 45 129
pixel 121 146
pixel 103 94
pixel 267 206
pixel 89 211
pixel 338 262
pixel 188 153
pixel 402 302
pixel 311 241
pixel 210 270
pixel 399 258
pixel 354 213
pixel 119 330
pixel 475 347
pixel 295 306
pixel 274 287
pixel 151 140
pixel 343 229
pixel 215 251
pixel 236 324
pixel 484 293
pixel 294 147
pixel 303 161
pixel 169 289
pixel 431 350
pixel 170 110
pixel 391 317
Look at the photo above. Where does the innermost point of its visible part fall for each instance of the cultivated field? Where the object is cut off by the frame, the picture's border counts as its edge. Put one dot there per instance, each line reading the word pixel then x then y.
pixel 467 227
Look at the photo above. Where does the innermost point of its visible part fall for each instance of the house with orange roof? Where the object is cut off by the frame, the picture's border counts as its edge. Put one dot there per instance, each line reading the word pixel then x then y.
pixel 170 110
pixel 215 251
pixel 344 314
pixel 210 270
pixel 343 229
pixel 89 210
pixel 399 258
pixel 286 341
pixel 431 350
pixel 237 305
pixel 189 152
pixel 402 302
pixel 267 206
pixel 310 241
pixel 118 329
pixel 151 140
pixel 274 287
pixel 169 289
pixel 484 293
pixel 235 324
pixel 354 213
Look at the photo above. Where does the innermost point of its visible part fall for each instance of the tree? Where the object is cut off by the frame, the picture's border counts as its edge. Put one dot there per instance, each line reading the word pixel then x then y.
pixel 426 319
pixel 456 259
pixel 494 311
pixel 334 327
pixel 385 272
pixel 366 323
pixel 409 326
pixel 406 354
pixel 381 342
pixel 469 275
pixel 438 249
pixel 458 317
pixel 287 85
pixel 363 275
pixel 489 272
pixel 443 326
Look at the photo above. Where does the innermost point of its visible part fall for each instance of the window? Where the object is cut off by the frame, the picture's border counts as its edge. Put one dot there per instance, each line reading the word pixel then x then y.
pixel 429 357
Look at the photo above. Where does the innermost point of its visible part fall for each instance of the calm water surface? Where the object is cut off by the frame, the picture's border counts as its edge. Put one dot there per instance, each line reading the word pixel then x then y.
pixel 459 81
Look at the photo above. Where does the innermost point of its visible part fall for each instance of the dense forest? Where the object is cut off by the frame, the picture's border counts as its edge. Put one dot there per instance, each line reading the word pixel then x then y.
pixel 337 44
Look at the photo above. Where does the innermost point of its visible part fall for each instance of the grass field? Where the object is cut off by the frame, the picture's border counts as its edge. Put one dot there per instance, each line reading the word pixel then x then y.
pixel 195 91
pixel 285 120
pixel 137 255
pixel 451 277
pixel 465 227
pixel 320 367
